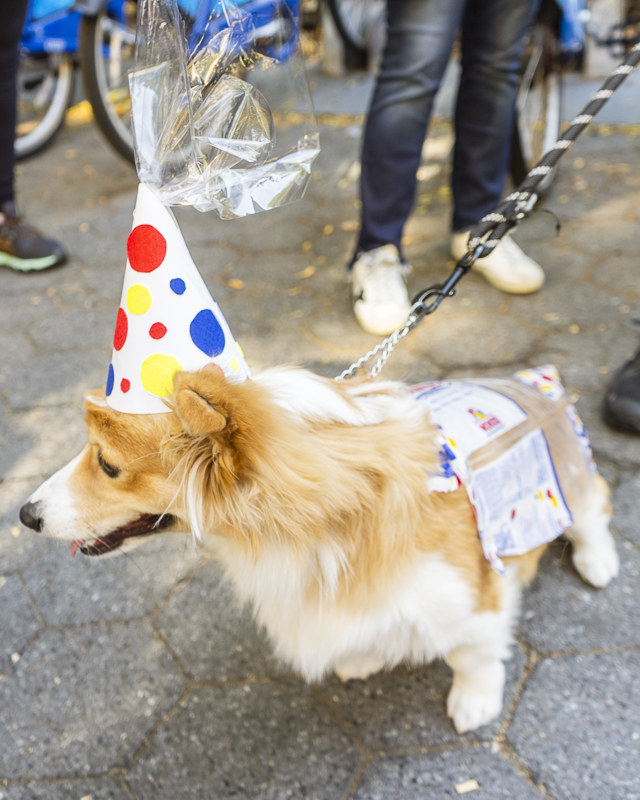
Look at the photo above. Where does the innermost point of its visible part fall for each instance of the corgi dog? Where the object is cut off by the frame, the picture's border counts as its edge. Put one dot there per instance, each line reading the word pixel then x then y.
pixel 318 499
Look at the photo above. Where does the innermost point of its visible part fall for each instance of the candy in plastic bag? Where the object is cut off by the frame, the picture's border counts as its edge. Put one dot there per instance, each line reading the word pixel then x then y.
pixel 222 115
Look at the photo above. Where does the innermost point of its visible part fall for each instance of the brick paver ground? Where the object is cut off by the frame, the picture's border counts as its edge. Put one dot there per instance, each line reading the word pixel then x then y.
pixel 137 678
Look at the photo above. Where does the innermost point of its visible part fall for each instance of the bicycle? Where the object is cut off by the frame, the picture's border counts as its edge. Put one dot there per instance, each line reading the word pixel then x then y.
pixel 45 75
pixel 556 44
pixel 99 37
pixel 357 22
pixel 59 35
pixel 106 49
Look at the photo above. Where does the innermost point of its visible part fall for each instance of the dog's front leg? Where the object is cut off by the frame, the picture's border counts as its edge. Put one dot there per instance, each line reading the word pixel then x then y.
pixel 478 684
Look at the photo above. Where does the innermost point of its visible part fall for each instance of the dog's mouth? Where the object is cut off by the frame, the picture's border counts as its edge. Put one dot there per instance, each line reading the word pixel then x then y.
pixel 143 526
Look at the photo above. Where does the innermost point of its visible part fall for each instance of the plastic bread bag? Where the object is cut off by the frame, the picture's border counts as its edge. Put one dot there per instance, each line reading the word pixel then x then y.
pixel 222 115
pixel 521 451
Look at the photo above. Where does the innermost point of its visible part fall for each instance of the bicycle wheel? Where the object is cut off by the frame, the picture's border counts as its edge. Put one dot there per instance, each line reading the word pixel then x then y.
pixel 354 21
pixel 45 86
pixel 538 107
pixel 106 55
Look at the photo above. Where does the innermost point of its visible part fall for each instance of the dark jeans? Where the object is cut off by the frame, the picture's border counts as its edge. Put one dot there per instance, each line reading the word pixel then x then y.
pixel 420 37
pixel 12 16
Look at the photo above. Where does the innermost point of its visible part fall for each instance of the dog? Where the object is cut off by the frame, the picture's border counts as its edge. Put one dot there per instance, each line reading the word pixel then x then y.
pixel 316 497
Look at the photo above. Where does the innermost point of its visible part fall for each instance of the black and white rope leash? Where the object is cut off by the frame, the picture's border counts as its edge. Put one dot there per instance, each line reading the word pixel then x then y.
pixel 486 235
pixel 491 228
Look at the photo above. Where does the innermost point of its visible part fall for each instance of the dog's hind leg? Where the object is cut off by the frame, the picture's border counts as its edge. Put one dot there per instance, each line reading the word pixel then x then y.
pixel 594 551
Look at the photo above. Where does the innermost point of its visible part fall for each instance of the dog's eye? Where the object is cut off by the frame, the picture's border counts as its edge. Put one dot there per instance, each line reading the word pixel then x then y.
pixel 107 468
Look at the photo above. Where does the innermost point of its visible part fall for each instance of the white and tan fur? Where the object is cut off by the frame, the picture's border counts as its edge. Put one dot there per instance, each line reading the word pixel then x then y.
pixel 315 497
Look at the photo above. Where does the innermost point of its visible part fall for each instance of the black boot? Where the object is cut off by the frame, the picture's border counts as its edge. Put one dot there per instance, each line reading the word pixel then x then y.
pixel 621 409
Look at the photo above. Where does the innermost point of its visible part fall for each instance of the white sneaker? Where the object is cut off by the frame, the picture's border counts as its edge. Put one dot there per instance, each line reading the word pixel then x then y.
pixel 507 268
pixel 380 299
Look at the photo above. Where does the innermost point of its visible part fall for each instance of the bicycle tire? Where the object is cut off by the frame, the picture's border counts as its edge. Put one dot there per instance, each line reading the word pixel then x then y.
pixel 60 70
pixel 111 104
pixel 353 20
pixel 538 120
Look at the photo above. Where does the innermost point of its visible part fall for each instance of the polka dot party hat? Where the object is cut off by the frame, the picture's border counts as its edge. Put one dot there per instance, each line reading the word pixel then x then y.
pixel 167 320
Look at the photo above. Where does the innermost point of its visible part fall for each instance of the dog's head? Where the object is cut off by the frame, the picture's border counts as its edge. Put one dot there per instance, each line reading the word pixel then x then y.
pixel 287 455
pixel 130 480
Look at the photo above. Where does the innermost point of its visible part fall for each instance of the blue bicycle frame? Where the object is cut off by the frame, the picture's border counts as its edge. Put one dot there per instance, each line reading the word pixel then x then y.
pixel 572 33
pixel 53 26
pixel 268 26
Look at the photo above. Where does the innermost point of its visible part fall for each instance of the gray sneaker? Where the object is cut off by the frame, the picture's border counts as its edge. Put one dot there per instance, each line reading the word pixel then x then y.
pixel 380 299
pixel 23 247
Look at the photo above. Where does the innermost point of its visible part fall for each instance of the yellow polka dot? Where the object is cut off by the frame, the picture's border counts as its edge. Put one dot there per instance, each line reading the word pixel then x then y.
pixel 240 349
pixel 157 372
pixel 138 299
pixel 234 364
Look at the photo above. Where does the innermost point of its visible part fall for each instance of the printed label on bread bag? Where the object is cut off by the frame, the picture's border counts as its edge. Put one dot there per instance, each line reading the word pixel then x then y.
pixel 469 415
pixel 518 500
pixel 516 497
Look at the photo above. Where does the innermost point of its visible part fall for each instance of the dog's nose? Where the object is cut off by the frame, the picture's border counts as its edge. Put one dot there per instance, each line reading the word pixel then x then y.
pixel 31 516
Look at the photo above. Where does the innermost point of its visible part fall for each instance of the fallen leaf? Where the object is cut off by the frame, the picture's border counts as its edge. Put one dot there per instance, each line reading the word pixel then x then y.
pixel 467 786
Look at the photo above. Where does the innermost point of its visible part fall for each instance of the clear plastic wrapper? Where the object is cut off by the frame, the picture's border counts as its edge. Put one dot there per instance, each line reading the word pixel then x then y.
pixel 222 115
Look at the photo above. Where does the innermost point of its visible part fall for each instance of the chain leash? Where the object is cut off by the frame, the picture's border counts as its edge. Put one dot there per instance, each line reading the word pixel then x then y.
pixel 423 304
pixel 486 235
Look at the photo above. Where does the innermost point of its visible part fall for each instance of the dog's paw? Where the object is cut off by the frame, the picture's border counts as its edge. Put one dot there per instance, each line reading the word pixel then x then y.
pixel 358 668
pixel 597 563
pixel 473 709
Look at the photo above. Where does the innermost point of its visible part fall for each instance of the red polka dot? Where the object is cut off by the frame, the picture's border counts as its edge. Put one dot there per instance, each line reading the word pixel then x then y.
pixel 157 330
pixel 125 385
pixel 122 328
pixel 146 248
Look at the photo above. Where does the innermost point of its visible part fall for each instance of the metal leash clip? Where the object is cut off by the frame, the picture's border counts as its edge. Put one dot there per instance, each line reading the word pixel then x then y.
pixel 423 304
pixel 439 291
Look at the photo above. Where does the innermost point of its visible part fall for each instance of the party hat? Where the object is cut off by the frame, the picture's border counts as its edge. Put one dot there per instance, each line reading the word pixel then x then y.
pixel 167 320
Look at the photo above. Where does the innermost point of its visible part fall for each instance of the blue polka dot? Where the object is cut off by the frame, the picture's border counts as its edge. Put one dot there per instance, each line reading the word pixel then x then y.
pixel 206 333
pixel 110 379
pixel 177 285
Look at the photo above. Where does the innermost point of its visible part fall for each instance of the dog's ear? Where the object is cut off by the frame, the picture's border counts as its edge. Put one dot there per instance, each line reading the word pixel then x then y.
pixel 195 401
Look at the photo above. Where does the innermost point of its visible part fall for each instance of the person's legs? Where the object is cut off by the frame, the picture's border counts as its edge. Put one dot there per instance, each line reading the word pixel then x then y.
pixel 420 36
pixel 492 40
pixel 22 247
pixel 12 16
